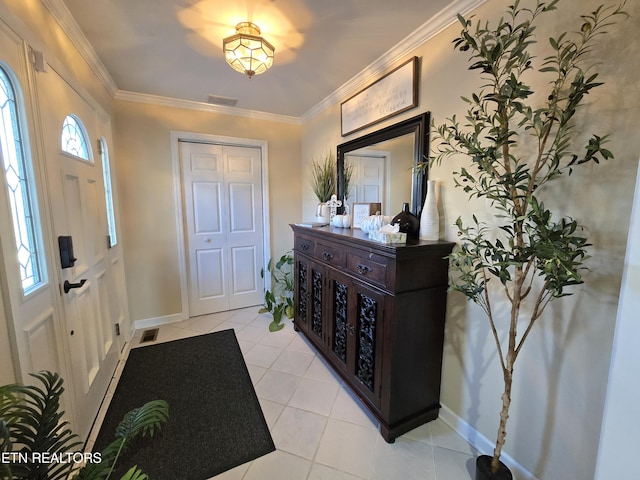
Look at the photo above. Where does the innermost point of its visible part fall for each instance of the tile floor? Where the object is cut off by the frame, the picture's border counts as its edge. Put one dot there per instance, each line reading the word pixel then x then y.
pixel 320 431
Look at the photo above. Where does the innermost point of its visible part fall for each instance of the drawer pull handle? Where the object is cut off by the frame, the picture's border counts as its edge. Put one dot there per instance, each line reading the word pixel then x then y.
pixel 351 329
pixel 305 246
pixel 327 256
pixel 363 269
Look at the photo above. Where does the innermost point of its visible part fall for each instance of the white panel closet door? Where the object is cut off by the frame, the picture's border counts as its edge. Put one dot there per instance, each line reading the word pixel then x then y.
pixel 222 195
pixel 368 179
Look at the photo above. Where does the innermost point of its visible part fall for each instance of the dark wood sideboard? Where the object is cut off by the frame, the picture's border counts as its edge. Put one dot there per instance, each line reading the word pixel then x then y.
pixel 376 313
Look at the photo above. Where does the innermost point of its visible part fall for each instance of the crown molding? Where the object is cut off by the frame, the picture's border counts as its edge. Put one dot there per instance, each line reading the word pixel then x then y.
pixel 63 16
pixel 428 30
pixel 443 19
pixel 202 106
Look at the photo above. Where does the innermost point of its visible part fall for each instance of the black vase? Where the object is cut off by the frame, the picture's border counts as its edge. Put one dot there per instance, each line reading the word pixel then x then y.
pixel 483 469
pixel 408 222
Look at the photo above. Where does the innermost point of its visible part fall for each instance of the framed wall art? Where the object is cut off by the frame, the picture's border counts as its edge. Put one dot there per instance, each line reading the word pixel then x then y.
pixel 392 94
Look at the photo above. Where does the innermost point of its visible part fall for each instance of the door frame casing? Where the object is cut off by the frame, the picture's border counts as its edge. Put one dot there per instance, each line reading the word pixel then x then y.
pixel 178 136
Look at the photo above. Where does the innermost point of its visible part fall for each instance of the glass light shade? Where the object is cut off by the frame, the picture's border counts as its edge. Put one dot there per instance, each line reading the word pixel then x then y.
pixel 246 51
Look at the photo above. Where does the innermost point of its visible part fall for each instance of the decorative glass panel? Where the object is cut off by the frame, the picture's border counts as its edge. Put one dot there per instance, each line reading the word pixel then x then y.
pixel 367 315
pixel 73 138
pixel 19 186
pixel 108 192
pixel 316 294
pixel 302 296
pixel 340 296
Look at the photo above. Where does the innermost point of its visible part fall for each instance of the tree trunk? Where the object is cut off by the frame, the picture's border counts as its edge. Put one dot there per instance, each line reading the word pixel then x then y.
pixel 504 413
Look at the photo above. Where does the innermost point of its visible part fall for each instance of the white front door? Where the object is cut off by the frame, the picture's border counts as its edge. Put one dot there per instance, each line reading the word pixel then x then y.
pixel 222 198
pixel 76 189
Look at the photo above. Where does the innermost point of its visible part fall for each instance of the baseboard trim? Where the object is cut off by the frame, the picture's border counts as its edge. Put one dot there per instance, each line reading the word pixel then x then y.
pixel 482 444
pixel 158 321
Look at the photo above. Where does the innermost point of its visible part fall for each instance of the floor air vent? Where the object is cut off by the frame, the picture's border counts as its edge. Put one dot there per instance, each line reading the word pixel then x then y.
pixel 149 335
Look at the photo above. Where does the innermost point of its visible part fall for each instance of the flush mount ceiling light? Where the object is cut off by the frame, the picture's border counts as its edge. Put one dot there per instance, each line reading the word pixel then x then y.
pixel 246 51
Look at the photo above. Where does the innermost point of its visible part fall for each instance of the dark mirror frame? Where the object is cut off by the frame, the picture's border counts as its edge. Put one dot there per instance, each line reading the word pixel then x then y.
pixel 418 125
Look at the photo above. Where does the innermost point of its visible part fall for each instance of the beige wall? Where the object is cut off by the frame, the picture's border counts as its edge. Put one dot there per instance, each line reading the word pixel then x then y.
pixel 145 182
pixel 51 39
pixel 561 377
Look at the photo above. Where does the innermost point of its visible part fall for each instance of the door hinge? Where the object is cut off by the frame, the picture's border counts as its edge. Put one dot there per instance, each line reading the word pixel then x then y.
pixel 117 329
pixel 38 60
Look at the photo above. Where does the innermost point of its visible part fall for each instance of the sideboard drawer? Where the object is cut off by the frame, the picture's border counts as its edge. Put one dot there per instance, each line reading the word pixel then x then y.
pixel 330 254
pixel 372 268
pixel 304 245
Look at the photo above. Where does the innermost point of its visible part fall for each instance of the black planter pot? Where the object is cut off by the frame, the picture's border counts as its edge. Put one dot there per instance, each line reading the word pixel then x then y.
pixel 483 469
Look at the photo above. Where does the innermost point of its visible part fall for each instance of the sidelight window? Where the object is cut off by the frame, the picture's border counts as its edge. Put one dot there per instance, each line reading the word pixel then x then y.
pixel 19 183
pixel 108 192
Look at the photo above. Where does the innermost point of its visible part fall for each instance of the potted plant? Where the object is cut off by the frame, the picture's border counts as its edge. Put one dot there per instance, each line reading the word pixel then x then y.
pixel 279 301
pixel 323 182
pixel 518 141
pixel 31 423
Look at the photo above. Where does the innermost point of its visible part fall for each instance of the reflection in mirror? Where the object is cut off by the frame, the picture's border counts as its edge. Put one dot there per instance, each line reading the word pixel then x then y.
pixel 382 166
pixel 381 173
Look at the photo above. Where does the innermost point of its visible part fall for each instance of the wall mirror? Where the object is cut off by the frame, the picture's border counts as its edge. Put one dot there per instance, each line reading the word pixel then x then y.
pixel 382 164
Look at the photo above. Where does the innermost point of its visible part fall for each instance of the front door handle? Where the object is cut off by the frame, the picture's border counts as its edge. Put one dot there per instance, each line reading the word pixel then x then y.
pixel 68 286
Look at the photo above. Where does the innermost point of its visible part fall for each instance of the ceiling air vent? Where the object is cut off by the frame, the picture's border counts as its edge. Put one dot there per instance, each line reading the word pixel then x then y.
pixel 226 101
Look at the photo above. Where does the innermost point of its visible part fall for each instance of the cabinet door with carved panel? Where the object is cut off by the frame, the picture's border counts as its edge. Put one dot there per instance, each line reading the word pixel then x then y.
pixel 310 292
pixel 356 332
pixel 340 330
pixel 366 335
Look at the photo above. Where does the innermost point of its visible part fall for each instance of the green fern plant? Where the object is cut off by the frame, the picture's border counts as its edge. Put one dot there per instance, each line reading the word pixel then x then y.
pixel 31 422
pixel 144 420
pixel 279 301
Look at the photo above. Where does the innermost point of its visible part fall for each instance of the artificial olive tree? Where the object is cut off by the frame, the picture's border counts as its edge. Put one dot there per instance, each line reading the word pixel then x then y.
pixel 518 140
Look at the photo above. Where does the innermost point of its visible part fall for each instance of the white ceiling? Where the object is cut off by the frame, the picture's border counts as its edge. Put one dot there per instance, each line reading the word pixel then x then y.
pixel 173 48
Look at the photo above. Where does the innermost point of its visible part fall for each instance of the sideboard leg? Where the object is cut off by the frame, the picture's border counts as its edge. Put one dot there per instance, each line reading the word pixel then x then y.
pixel 386 434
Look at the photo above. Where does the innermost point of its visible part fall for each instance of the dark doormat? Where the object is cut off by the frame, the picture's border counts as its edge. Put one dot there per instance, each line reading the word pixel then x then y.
pixel 215 421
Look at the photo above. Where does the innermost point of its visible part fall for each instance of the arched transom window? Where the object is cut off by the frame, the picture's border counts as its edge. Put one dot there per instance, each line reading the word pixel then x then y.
pixel 74 139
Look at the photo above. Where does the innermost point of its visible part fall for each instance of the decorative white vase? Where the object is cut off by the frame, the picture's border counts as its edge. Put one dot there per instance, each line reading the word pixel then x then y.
pixel 323 213
pixel 430 218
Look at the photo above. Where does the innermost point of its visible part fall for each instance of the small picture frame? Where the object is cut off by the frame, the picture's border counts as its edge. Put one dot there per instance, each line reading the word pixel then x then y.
pixel 362 210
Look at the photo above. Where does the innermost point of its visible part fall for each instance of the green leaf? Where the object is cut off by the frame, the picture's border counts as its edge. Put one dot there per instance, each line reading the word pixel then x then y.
pixel 279 301
pixel 144 420
pixel 134 473
pixel 275 326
